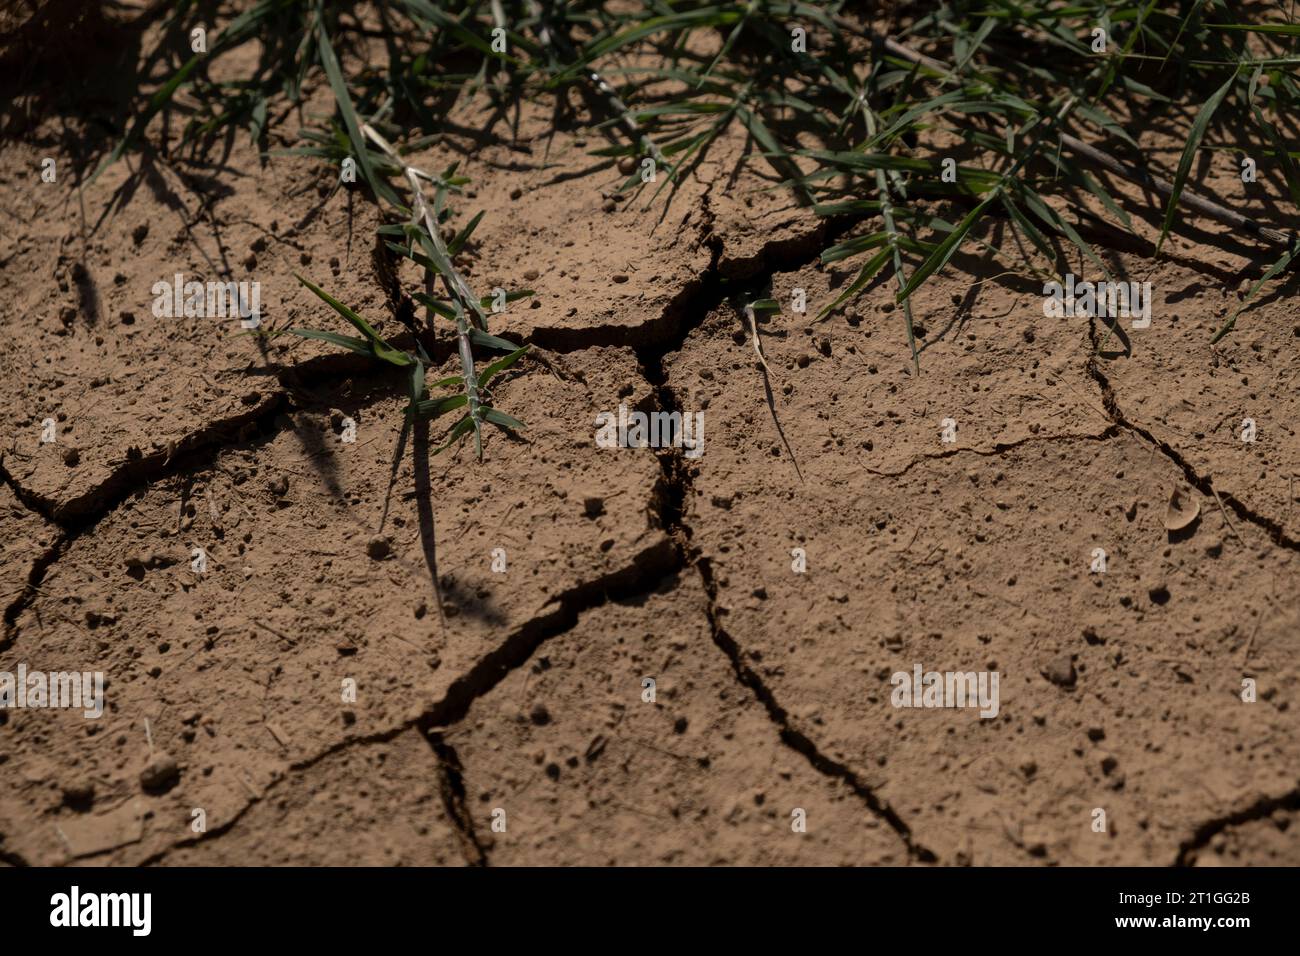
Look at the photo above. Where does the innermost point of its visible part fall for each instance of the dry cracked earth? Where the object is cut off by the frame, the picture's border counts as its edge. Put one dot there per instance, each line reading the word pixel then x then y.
pixel 500 717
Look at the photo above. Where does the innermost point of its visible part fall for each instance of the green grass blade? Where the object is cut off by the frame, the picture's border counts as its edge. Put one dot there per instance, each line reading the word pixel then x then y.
pixel 1199 125
pixel 1273 270
pixel 500 365
pixel 1289 172
pixel 865 275
pixel 347 341
pixel 502 420
pixel 443 309
pixel 462 237
pixel 432 408
pixel 491 341
pixel 463 427
pixel 946 249
pixel 381 348
pixel 339 85
pixel 1278 29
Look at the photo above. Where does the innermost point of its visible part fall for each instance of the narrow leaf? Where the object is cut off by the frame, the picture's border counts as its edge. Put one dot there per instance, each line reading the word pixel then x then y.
pixel 1199 125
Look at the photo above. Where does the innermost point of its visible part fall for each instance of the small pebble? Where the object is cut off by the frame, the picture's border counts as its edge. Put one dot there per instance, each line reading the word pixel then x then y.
pixel 161 773
pixel 1060 671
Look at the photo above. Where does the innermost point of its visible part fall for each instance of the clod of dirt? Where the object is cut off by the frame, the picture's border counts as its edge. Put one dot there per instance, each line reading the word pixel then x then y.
pixel 1181 511
pixel 279 485
pixel 593 507
pixel 95 619
pixel 71 457
pixel 379 547
pixel 1060 671
pixel 627 165
pixel 539 715
pixel 79 795
pixel 161 773
pixel 142 562
pixel 1159 594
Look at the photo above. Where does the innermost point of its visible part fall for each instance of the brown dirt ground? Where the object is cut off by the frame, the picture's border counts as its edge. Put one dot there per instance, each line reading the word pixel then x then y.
pixel 521 692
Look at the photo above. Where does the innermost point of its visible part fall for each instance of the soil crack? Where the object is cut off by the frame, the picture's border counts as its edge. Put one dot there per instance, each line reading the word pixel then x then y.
pixel 1264 807
pixel 451 782
pixel 35 575
pixel 1202 483
pixel 647 571
pixel 196 449
pixel 676 488
pixel 1107 433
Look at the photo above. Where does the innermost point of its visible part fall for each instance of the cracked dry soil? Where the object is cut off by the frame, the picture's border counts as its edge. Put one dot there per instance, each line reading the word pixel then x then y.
pixel 519 696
